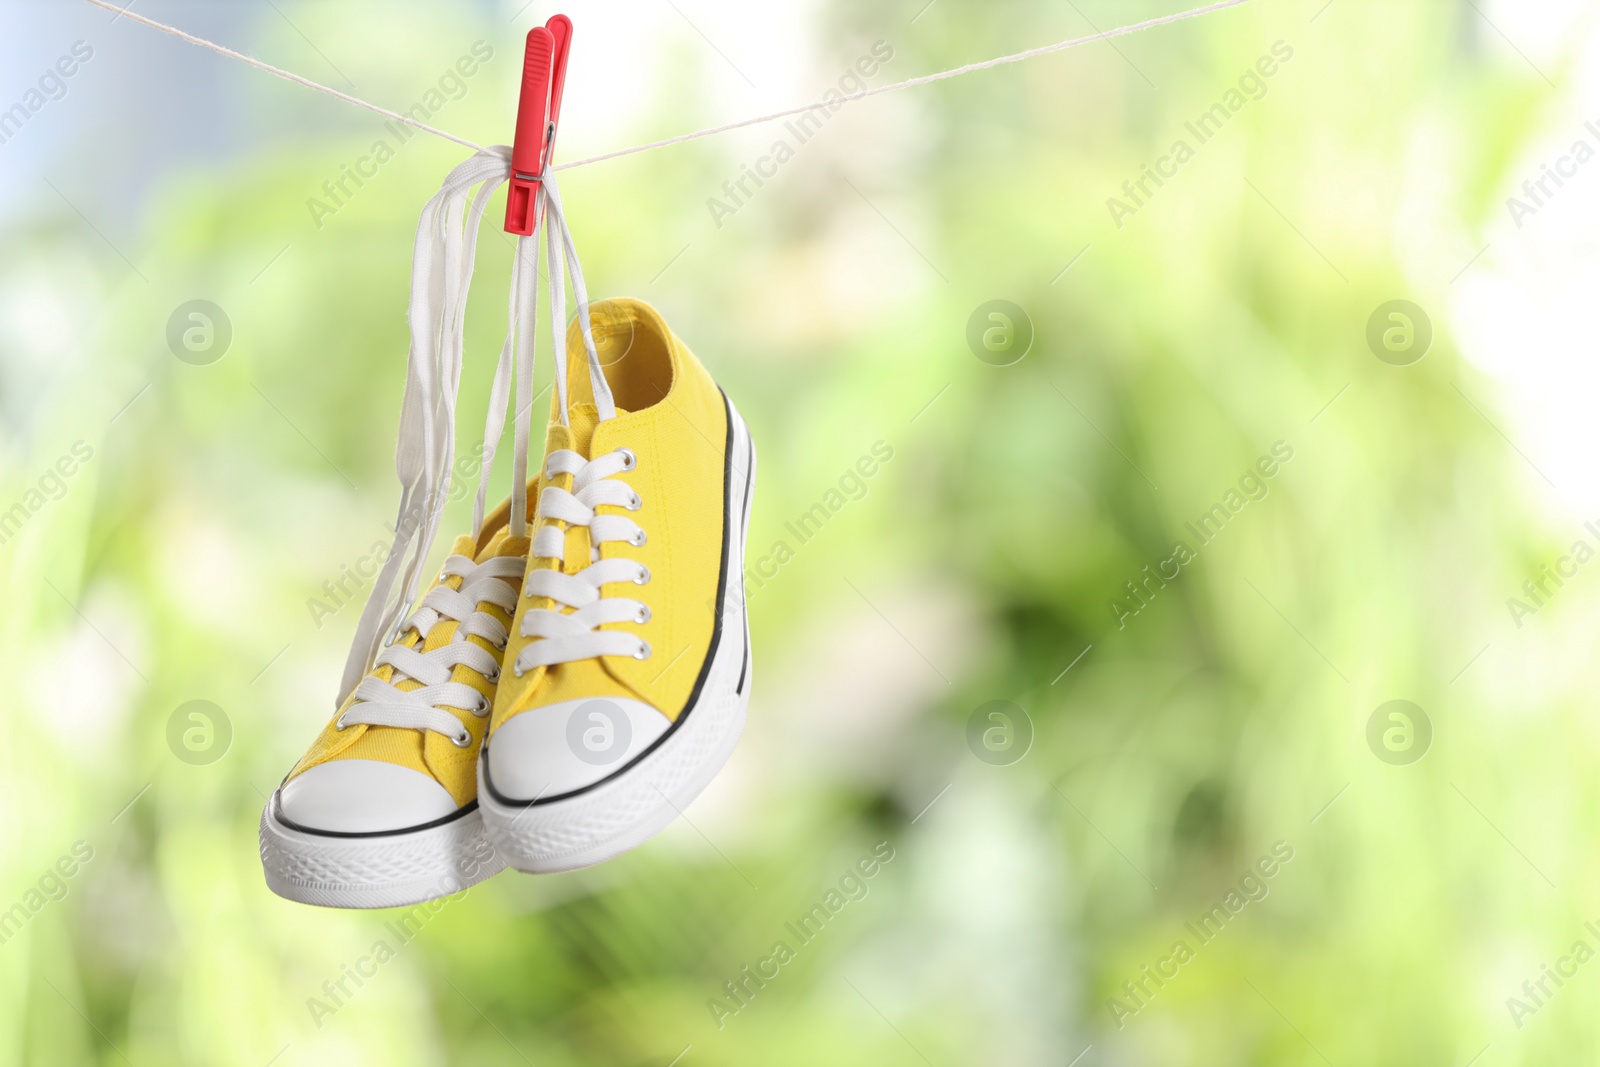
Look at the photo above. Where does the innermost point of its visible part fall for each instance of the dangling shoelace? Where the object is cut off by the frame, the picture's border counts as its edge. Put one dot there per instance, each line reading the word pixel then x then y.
pixel 568 636
pixel 441 276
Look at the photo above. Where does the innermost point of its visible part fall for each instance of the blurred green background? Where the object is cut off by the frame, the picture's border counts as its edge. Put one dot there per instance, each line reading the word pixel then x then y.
pixel 1207 756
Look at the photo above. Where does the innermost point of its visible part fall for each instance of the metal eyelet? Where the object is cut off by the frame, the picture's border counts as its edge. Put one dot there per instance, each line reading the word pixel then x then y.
pixel 643 577
pixel 463 739
pixel 629 460
pixel 644 614
pixel 493 676
pixel 339 723
pixel 638 539
pixel 636 503
pixel 643 651
pixel 483 706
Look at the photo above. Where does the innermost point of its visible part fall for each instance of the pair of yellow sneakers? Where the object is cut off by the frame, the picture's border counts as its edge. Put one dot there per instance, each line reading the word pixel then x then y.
pixel 571 681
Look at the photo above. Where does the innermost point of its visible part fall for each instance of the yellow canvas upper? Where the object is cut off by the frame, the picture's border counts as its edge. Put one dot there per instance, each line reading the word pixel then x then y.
pixel 673 417
pixel 423 750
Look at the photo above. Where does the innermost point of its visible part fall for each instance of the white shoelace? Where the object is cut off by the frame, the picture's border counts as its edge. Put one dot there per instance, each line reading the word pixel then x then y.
pixel 564 637
pixel 384 703
pixel 441 275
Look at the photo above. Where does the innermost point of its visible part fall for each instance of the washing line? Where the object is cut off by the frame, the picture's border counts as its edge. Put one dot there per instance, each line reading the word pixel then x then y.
pixel 926 79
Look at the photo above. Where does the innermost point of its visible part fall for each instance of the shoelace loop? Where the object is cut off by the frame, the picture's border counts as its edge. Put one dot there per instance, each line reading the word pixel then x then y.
pixel 574 634
pixel 385 703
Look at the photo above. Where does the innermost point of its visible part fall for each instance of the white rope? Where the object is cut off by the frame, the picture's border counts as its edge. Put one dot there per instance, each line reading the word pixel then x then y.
pixel 1060 46
pixel 926 79
pixel 280 72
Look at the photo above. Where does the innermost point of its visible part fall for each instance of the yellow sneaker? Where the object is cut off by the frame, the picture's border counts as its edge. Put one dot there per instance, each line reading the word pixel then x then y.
pixel 383 809
pixel 627 674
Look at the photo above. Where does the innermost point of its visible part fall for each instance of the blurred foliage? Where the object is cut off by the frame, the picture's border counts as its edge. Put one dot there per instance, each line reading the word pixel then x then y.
pixel 1171 750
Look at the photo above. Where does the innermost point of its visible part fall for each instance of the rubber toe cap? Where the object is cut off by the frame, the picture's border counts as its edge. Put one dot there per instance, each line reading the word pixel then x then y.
pixel 551 751
pixel 363 796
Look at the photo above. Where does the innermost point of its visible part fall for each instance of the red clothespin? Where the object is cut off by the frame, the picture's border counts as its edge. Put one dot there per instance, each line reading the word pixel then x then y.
pixel 544 73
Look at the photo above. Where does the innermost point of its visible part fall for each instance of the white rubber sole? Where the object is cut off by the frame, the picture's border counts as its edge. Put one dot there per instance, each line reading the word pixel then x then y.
pixel 625 811
pixel 380 871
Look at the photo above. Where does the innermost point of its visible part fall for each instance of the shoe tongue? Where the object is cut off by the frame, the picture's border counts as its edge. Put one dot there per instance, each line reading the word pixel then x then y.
pixel 496 546
pixel 500 543
pixel 582 418
pixel 578 434
pixel 582 414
